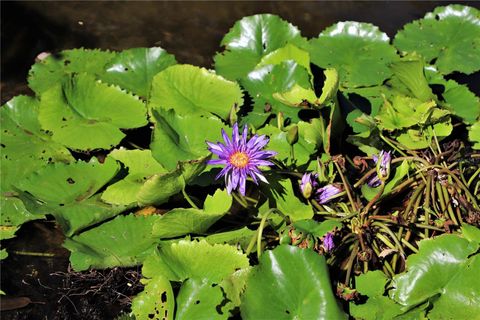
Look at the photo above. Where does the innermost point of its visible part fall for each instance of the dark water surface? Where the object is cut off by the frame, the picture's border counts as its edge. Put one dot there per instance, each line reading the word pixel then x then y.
pixel 192 31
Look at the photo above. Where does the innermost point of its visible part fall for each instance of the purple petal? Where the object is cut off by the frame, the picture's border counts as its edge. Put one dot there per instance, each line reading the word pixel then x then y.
pixel 328 243
pixel 217 161
pixel 325 193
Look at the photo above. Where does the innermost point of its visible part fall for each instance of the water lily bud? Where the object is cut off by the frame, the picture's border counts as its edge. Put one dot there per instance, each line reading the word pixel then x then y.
pixel 325 194
pixel 328 243
pixel 292 135
pixel 280 120
pixel 383 165
pixel 307 184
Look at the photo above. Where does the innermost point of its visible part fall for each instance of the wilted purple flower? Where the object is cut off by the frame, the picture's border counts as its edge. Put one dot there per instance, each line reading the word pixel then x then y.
pixel 328 242
pixel 241 158
pixel 324 194
pixel 308 184
pixel 383 168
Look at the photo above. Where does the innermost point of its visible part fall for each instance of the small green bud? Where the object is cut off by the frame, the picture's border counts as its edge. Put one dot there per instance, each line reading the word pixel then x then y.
pixel 292 135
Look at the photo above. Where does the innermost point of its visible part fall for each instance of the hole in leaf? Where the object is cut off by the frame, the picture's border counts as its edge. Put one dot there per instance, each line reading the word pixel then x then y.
pixel 126 69
pixel 433 61
pixel 163 297
pixel 287 312
pixel 3 146
pixel 66 62
pixel 151 315
pixel 70 181
pixel 197 302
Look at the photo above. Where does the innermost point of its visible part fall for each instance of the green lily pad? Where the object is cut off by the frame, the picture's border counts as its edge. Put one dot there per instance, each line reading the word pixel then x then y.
pixel 52 70
pixel 192 90
pixel 266 83
pixel 360 53
pixel 14 214
pixel 249 40
pixel 86 114
pixel 474 135
pixel 317 229
pixel 141 166
pixel 443 273
pixel 3 255
pixel 411 74
pixel 239 237
pixel 448 37
pixel 420 139
pixel 134 69
pixel 290 283
pixel 156 301
pixel 158 188
pixel 309 140
pixel 180 221
pixel 198 299
pixel 377 307
pixel 289 52
pixel 178 137
pixel 76 216
pixel 286 201
pixel 184 259
pixel 125 241
pixel 22 136
pixel 61 184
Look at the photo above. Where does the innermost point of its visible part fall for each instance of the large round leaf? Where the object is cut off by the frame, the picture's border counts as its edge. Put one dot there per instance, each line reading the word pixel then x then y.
pixel 86 114
pixel 141 166
pixel 443 273
pixel 180 221
pixel 290 283
pixel 249 40
pixel 263 83
pixel 184 259
pixel 156 301
pixel 178 137
pixel 360 52
pixel 198 299
pixel 158 188
pixel 134 69
pixel 22 136
pixel 61 184
pixel 450 35
pixel 193 90
pixel 125 241
pixel 50 71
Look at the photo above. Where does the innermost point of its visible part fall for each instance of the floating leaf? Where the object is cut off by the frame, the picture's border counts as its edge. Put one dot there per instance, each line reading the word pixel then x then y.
pixel 52 70
pixel 474 135
pixel 79 215
pixel 194 91
pixel 360 53
pixel 443 273
pixel 14 214
pixel 377 307
pixel 198 299
pixel 265 82
pixel 317 229
pixel 134 69
pixel 179 221
pixel 448 37
pixel 411 74
pixel 61 183
pixel 158 188
pixel 250 40
pixel 156 301
pixel 290 283
pixel 289 52
pixel 178 137
pixel 22 137
pixel 86 114
pixel 418 139
pixel 141 166
pixel 125 241
pixel 237 237
pixel 184 259
pixel 288 203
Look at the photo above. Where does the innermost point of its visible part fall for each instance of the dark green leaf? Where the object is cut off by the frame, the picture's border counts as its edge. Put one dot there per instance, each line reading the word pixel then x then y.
pixel 290 283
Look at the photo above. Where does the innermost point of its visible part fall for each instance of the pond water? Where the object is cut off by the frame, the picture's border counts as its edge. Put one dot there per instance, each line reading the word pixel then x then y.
pixel 192 31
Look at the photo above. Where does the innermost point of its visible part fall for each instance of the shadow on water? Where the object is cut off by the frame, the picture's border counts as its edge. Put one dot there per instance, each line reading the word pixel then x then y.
pixel 191 31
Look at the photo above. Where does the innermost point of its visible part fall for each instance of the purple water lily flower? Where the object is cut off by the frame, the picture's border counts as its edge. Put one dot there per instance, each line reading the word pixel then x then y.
pixel 241 158
pixel 328 243
pixel 308 184
pixel 383 168
pixel 324 194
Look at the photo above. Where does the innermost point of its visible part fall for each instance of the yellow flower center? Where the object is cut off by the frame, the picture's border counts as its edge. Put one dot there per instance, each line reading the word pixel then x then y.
pixel 239 159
